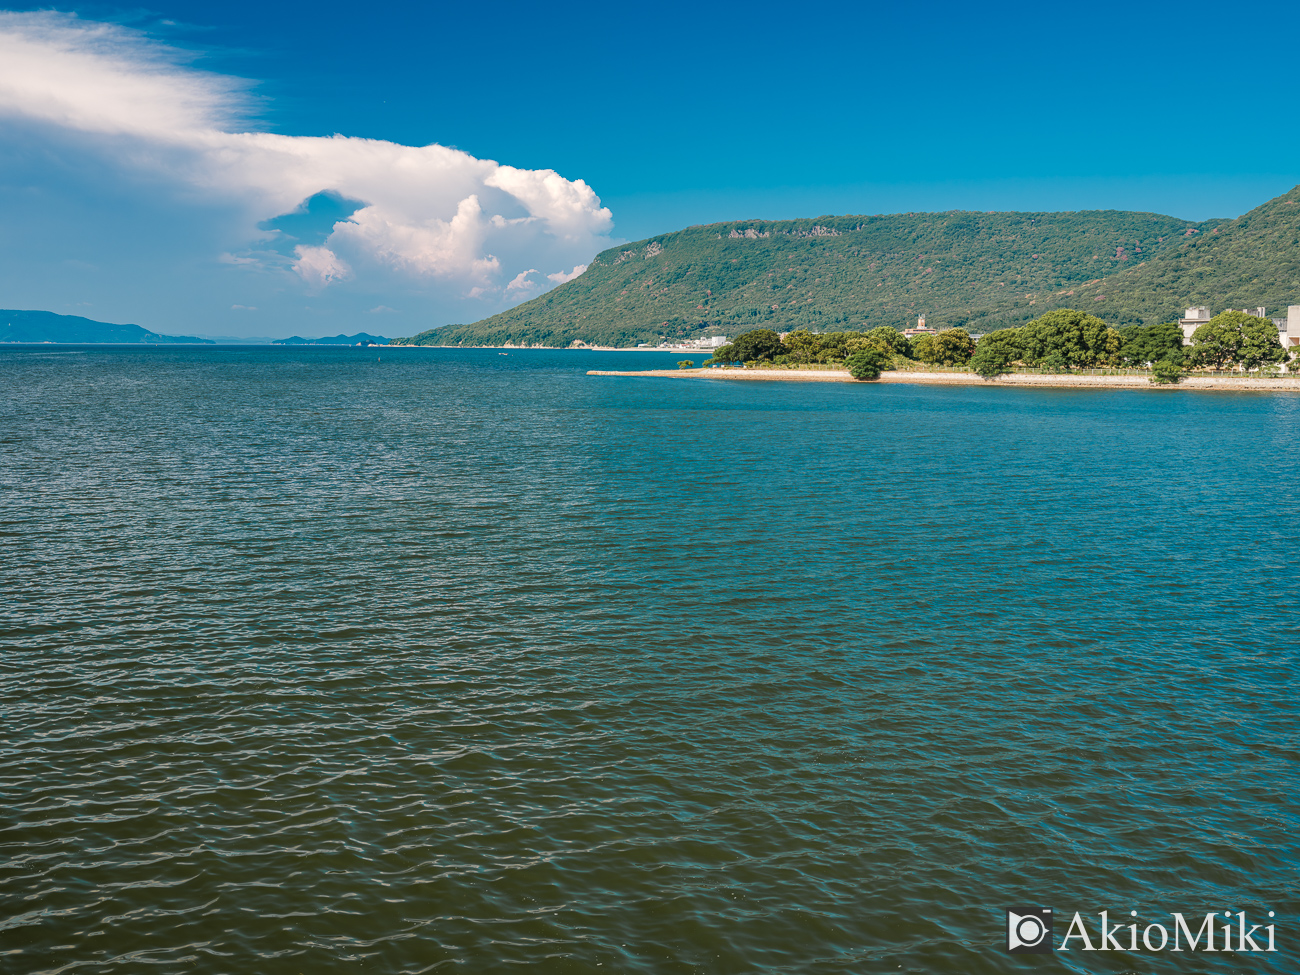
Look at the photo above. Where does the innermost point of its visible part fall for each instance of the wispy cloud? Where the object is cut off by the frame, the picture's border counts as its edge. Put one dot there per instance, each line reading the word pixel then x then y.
pixel 428 216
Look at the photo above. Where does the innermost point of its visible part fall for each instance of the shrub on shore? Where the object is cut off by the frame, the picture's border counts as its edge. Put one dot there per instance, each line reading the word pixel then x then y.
pixel 869 363
pixel 1167 371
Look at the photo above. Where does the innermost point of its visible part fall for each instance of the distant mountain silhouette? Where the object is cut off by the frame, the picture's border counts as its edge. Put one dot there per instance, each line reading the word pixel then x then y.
pixel 46 326
pixel 361 338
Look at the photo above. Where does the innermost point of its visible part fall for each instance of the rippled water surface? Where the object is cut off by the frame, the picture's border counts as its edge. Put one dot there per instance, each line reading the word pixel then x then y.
pixel 413 660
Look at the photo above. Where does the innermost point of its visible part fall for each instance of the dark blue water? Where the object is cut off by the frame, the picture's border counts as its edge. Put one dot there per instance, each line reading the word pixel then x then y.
pixel 473 663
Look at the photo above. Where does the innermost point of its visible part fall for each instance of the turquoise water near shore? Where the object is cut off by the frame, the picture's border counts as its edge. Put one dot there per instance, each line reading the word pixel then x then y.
pixel 347 660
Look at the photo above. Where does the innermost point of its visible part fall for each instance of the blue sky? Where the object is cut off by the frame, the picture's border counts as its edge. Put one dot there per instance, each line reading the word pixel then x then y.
pixel 648 117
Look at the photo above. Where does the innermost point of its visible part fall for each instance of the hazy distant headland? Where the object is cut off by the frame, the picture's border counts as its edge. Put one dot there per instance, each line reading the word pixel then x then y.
pixel 39 327
pixel 46 326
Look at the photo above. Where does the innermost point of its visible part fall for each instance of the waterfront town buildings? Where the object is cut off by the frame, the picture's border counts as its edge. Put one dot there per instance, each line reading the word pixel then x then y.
pixel 708 342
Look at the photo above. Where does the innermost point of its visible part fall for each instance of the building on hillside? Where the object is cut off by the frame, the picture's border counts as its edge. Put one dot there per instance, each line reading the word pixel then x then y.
pixel 920 329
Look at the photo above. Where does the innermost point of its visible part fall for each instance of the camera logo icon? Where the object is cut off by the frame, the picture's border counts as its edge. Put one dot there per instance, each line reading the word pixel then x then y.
pixel 1029 931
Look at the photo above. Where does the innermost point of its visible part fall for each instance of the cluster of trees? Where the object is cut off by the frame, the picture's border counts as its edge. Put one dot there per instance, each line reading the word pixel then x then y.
pixel 1062 339
pixel 950 348
pixel 866 354
pixel 1069 339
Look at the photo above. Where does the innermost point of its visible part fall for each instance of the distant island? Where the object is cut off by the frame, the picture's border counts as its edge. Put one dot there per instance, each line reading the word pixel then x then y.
pixel 977 271
pixel 46 326
pixel 361 338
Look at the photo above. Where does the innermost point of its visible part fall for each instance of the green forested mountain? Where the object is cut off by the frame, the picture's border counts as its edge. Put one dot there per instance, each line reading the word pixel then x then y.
pixel 1243 263
pixel 978 270
pixel 828 273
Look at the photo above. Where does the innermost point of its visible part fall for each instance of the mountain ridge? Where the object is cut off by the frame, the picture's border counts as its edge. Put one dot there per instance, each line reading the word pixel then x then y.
pixel 979 270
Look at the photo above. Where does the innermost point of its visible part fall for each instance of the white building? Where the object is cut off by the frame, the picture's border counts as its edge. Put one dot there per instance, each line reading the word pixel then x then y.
pixel 1288 329
pixel 1194 319
pixel 709 342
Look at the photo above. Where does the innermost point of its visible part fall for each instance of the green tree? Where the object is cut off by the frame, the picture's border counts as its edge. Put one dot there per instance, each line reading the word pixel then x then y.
pixel 953 347
pixel 1066 338
pixel 1145 344
pixel 1215 344
pixel 996 352
pixel 1233 337
pixel 835 345
pixel 723 355
pixel 923 349
pixel 758 345
pixel 686 364
pixel 869 363
pixel 803 346
pixel 890 339
pixel 1260 345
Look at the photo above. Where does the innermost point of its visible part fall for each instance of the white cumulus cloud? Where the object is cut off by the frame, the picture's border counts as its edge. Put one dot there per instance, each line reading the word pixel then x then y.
pixel 319 266
pixel 559 277
pixel 430 216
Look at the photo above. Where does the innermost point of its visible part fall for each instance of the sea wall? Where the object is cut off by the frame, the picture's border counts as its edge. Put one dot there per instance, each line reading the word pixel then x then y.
pixel 1287 383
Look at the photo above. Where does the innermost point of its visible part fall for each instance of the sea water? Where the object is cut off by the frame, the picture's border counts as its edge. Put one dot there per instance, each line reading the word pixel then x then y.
pixel 410 660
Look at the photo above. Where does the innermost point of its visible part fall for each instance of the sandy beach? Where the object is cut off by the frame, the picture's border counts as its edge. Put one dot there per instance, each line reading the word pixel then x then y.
pixel 1288 383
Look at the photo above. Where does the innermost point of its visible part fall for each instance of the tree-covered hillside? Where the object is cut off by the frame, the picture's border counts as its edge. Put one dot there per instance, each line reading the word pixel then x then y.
pixel 832 273
pixel 1243 263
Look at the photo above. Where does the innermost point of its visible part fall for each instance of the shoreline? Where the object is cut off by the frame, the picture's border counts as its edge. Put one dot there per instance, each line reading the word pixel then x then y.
pixel 559 348
pixel 970 379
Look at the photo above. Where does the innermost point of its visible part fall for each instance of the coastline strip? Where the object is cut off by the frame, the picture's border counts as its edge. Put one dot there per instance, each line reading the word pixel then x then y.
pixel 1287 384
